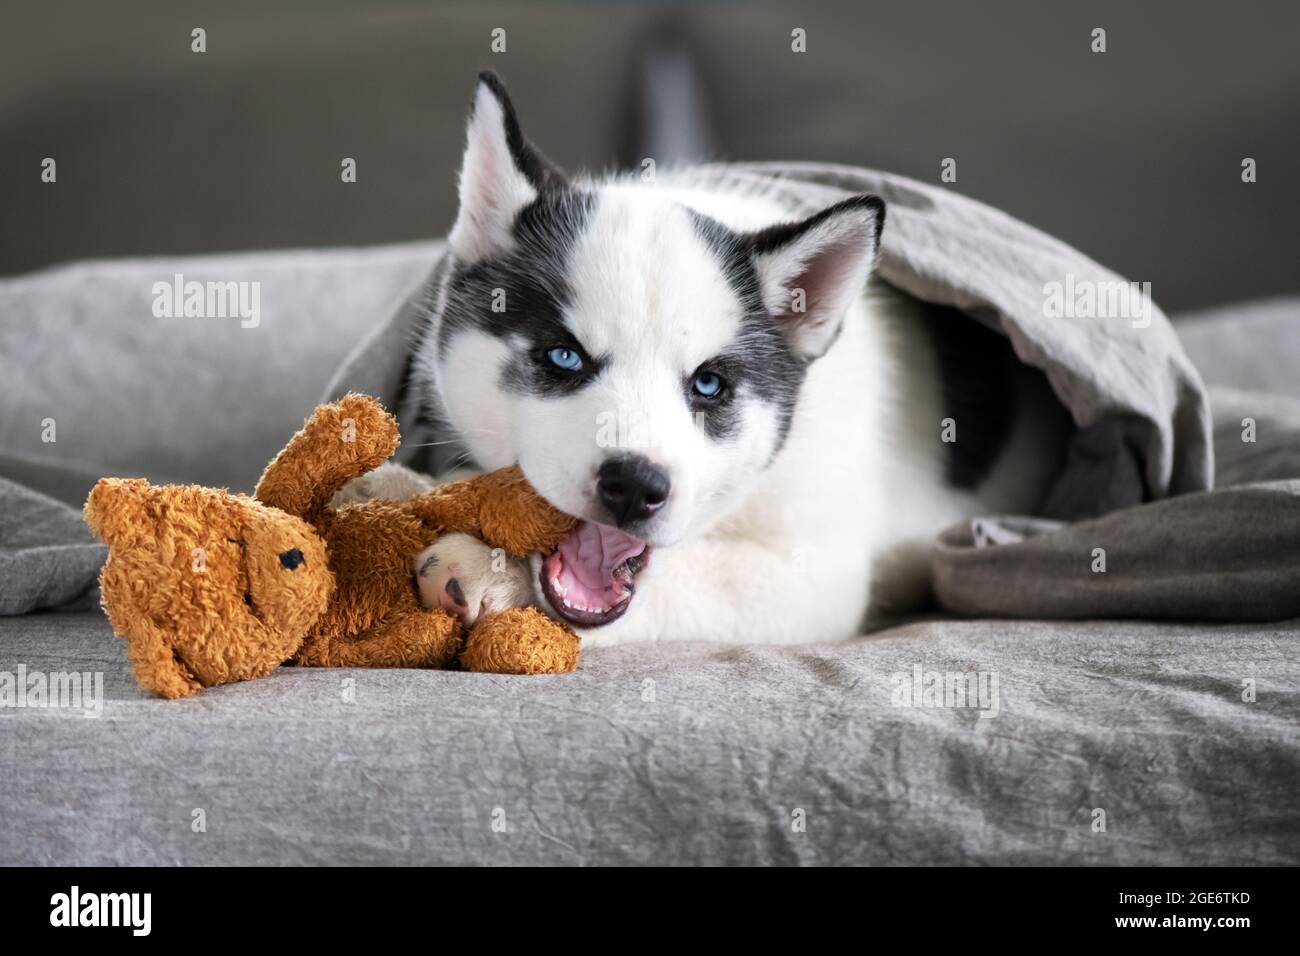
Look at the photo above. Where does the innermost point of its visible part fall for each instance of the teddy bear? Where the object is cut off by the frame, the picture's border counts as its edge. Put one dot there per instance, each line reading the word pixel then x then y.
pixel 210 587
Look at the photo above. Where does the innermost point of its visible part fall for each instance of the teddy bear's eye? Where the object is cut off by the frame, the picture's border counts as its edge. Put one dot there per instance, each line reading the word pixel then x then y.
pixel 248 598
pixel 292 559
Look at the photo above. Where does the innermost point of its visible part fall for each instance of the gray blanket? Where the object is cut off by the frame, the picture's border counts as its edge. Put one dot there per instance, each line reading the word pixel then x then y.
pixel 1229 555
pixel 48 557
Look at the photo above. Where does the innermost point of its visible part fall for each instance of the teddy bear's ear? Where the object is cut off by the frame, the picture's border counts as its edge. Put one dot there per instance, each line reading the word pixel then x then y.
pixel 116 508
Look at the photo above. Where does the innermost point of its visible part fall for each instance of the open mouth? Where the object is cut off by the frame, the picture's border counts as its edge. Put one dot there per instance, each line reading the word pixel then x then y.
pixel 591 577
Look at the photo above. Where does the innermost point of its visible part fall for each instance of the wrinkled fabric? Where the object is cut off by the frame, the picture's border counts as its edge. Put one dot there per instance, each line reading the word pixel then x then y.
pixel 1179 739
pixel 48 557
pixel 1226 555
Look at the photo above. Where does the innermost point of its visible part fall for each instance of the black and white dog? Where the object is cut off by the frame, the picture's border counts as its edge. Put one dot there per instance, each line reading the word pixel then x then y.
pixel 749 425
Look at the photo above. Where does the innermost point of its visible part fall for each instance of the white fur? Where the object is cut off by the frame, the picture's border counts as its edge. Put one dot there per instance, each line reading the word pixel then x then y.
pixel 645 294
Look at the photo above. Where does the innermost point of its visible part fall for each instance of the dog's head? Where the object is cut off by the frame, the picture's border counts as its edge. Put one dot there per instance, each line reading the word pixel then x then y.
pixel 640 360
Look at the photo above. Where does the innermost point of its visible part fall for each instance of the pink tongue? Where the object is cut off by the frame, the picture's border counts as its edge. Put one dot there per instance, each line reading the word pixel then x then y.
pixel 593 551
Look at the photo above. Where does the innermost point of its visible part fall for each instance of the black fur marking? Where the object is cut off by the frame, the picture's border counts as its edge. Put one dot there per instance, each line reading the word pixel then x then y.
pixel 534 291
pixel 539 170
pixel 776 236
pixel 976 366
pixel 759 362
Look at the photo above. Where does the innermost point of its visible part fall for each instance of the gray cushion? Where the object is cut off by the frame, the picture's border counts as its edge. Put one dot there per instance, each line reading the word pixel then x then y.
pixel 1253 346
pixel 179 399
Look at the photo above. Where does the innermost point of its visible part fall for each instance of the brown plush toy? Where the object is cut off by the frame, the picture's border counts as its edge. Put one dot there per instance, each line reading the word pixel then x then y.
pixel 209 587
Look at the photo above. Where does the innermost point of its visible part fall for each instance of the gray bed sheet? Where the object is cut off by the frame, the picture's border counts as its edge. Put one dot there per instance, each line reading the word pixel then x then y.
pixel 1179 739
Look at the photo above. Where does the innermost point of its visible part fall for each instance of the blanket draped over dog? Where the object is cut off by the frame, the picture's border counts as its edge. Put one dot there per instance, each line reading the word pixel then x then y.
pixel 1141 412
pixel 1137 540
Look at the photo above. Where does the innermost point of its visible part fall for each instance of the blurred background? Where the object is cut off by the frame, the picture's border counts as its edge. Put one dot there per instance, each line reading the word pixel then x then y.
pixel 1133 155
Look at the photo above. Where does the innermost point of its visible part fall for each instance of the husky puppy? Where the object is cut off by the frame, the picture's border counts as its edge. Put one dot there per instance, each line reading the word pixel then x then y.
pixel 761 439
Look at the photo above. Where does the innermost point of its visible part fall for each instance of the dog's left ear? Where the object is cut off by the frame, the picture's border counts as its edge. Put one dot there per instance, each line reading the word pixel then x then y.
pixel 810 271
pixel 501 174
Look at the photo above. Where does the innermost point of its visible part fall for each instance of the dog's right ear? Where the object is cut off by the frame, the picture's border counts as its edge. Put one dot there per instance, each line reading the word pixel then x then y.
pixel 501 174
pixel 811 270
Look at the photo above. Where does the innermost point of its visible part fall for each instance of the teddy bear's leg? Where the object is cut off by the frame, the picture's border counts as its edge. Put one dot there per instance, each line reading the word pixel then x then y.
pixel 500 507
pixel 154 662
pixel 415 639
pixel 520 641
pixel 339 442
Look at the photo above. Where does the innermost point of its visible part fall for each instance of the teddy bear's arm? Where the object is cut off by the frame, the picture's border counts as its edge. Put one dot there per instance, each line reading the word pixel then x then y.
pixel 501 508
pixel 336 444
pixel 416 638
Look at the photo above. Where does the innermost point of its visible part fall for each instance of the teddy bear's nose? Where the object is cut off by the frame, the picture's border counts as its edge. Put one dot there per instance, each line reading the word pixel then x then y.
pixel 291 559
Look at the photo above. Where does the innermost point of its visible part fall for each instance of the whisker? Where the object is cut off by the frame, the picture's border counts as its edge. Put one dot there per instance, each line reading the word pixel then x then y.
pixel 488 432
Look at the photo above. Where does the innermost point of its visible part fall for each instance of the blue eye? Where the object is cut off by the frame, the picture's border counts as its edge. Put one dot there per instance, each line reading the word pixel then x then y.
pixel 707 385
pixel 567 359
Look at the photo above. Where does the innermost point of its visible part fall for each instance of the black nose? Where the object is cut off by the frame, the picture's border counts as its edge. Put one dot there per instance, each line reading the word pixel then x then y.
pixel 632 488
pixel 291 559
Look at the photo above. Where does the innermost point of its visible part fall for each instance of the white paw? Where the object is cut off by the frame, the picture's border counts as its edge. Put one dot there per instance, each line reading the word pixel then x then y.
pixel 390 480
pixel 461 574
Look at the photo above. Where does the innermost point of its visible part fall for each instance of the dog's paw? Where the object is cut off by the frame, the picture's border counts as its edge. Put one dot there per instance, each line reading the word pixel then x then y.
pixel 461 574
pixel 392 481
